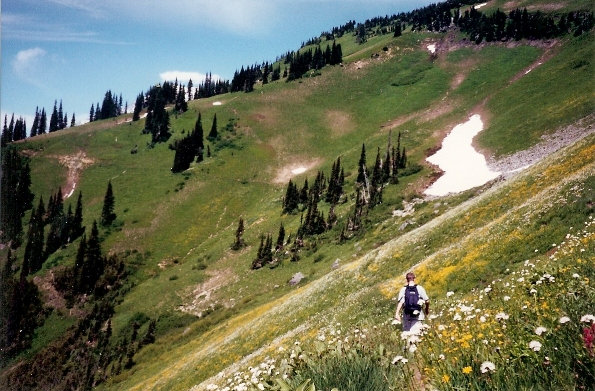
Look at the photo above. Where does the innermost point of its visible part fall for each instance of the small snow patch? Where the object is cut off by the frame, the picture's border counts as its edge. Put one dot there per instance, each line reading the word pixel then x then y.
pixel 478 6
pixel 217 103
pixel 298 170
pixel 432 48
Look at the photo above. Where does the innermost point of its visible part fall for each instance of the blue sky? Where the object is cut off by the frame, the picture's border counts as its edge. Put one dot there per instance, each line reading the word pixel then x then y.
pixel 75 50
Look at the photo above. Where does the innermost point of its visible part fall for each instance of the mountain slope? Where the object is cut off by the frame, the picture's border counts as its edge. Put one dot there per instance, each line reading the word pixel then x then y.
pixel 174 231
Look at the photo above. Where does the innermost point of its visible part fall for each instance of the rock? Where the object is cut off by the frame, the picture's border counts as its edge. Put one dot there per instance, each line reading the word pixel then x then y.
pixel 297 277
pixel 335 264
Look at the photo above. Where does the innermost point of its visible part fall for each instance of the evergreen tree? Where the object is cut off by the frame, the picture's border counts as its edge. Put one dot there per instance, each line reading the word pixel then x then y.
pixel 54 118
pixel 107 212
pixel 213 135
pixel 181 104
pixel 138 106
pixel 72 121
pixel 61 124
pixel 6 137
pixel 35 126
pixel 34 256
pixel 79 262
pixel 239 241
pixel 362 171
pixel 57 222
pixel 190 85
pixel 92 113
pixel 280 238
pixel 94 264
pixel 376 182
pixel 291 200
pixel 42 122
pixel 157 122
pixel 15 196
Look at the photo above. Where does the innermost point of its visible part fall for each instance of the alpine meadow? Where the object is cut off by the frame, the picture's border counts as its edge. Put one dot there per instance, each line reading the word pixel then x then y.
pixel 254 233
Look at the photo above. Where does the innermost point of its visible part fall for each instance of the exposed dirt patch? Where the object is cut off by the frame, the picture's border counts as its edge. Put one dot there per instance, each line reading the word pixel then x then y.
pixel 340 122
pixel 546 7
pixel 203 296
pixel 50 295
pixel 284 174
pixel 75 165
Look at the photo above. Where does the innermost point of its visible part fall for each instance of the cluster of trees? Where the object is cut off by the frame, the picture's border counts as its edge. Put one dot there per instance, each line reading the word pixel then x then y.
pixel 210 87
pixel 14 132
pixel 157 123
pixel 190 147
pixel 110 107
pixel 302 62
pixel 17 130
pixel 15 195
pixel 520 24
pixel 266 254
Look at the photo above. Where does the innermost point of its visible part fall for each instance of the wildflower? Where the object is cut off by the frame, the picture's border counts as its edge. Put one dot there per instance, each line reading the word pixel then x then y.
pixel 482 319
pixel 564 319
pixel 442 357
pixel 398 359
pixel 540 330
pixel 412 348
pixel 487 290
pixel 449 294
pixel 506 298
pixel 502 316
pixel 487 366
pixel 457 317
pixel 467 370
pixel 588 318
pixel 445 378
pixel 535 346
pixel 533 291
pixel 589 338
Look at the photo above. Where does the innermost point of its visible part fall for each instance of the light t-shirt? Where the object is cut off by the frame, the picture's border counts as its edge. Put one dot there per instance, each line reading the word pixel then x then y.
pixel 422 295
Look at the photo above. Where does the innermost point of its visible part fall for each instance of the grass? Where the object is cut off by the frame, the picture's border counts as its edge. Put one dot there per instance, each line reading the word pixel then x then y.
pixel 177 229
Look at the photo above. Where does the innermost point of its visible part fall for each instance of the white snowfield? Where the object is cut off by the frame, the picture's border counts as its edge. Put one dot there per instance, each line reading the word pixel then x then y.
pixel 464 167
pixel 432 48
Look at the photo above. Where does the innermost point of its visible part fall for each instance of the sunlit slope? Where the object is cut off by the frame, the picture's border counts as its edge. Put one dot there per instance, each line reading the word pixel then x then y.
pixel 465 247
pixel 176 229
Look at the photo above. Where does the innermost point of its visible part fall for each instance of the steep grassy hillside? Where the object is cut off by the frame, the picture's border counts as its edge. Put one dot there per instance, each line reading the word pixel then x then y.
pixel 174 232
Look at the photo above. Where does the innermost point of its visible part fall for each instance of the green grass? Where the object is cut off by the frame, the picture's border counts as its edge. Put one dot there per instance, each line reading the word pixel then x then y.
pixel 177 229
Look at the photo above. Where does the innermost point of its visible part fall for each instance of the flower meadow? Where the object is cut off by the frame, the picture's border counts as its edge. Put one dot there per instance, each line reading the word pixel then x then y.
pixel 532 328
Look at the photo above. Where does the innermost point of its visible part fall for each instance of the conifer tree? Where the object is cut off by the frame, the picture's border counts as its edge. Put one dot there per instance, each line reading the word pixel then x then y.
pixel 107 213
pixel 77 228
pixel 213 133
pixel 290 202
pixel 92 113
pixel 239 241
pixel 280 238
pixel 35 126
pixel 94 264
pixel 57 222
pixel 138 106
pixel 34 256
pixel 54 118
pixel 72 121
pixel 42 122
pixel 376 182
pixel 362 171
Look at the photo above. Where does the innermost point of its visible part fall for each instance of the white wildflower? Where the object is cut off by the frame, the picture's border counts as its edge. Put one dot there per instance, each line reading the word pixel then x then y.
pixel 457 317
pixel 412 348
pixel 576 275
pixel 487 290
pixel 535 346
pixel 482 319
pixel 502 316
pixel 506 298
pixel 564 319
pixel 449 294
pixel 397 359
pixel 588 318
pixel 540 330
pixel 442 357
pixel 487 366
pixel 533 291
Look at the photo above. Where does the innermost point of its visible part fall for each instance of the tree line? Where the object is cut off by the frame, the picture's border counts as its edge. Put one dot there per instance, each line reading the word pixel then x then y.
pixel 110 107
pixel 369 186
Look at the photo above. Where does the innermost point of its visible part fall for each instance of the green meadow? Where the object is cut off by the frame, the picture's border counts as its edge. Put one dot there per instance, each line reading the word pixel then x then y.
pixel 175 231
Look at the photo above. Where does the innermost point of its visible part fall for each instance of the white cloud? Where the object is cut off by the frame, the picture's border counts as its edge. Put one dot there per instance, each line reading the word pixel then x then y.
pixel 26 64
pixel 184 76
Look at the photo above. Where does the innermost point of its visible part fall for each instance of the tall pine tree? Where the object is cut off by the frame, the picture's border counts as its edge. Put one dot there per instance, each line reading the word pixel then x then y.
pixel 107 212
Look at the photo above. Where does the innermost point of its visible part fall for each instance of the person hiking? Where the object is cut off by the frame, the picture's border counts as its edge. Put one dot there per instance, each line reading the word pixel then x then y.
pixel 411 299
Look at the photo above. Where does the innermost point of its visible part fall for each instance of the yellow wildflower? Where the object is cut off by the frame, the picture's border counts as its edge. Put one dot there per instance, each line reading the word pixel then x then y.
pixel 445 378
pixel 467 370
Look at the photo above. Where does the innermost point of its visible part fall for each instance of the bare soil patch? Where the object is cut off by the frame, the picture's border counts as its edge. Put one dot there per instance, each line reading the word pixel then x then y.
pixel 297 167
pixel 75 165
pixel 203 296
pixel 340 122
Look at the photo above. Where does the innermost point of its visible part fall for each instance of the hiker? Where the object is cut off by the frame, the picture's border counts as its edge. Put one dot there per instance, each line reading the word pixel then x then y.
pixel 411 299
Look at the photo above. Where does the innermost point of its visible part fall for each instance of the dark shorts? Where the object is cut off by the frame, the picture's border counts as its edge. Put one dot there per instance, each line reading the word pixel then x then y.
pixel 409 321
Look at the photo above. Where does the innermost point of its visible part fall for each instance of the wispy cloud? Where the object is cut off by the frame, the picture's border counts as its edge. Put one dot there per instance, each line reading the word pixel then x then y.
pixel 27 64
pixel 184 76
pixel 31 28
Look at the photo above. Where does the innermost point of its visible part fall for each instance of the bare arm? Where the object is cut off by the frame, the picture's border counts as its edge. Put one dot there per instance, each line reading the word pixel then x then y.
pixel 398 312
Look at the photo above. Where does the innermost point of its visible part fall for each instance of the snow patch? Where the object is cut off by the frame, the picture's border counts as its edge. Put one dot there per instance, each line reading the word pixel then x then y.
pixel 298 170
pixel 478 6
pixel 217 103
pixel 464 168
pixel 432 48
